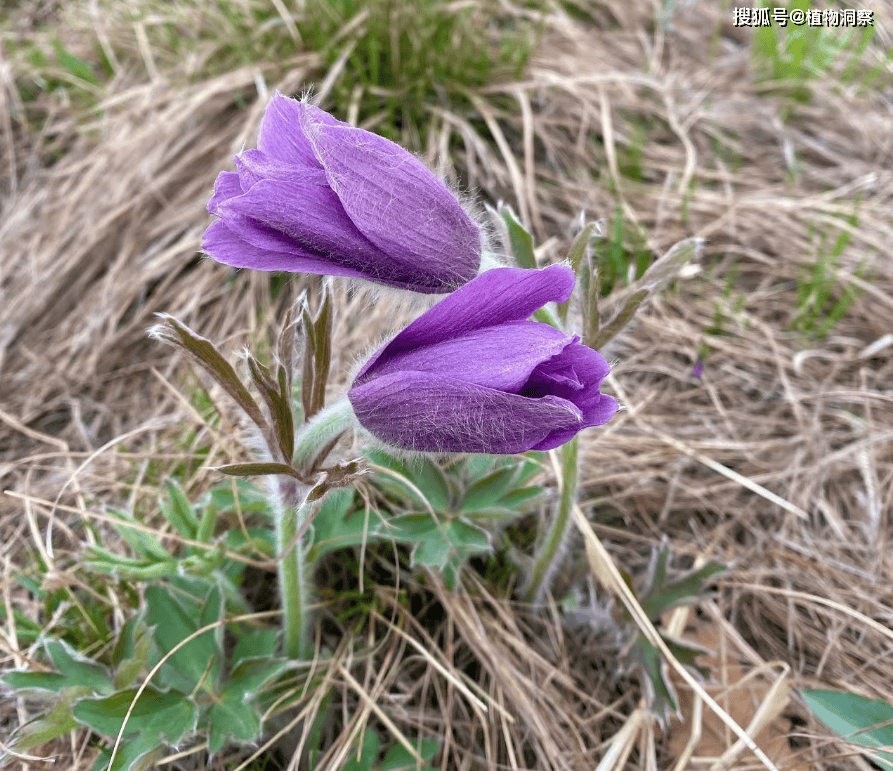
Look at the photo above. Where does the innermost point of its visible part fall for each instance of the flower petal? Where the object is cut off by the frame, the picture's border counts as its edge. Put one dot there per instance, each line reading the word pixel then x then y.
pixel 221 243
pixel 307 214
pixel 601 409
pixel 254 165
pixel 433 413
pixel 495 297
pixel 575 375
pixel 394 199
pixel 282 135
pixel 308 219
pixel 501 357
pixel 226 186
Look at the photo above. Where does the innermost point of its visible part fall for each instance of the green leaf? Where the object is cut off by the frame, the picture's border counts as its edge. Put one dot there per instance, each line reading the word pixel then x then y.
pixel 430 479
pixel 139 754
pixel 233 717
pixel 78 670
pixel 658 685
pixel 435 542
pixel 684 589
pixel 479 465
pixel 52 682
pixel 852 717
pixel 368 754
pixel 74 66
pixel 485 492
pixel 250 499
pixel 255 469
pixel 166 716
pixel 57 722
pixel 105 561
pixel 144 544
pixel 173 624
pixel 517 498
pixel 213 612
pixel 235 713
pixel 130 668
pixel 178 511
pixel 520 240
pixel 253 674
pixel 205 353
pixel 157 719
pixel 339 526
pixel 255 644
pixel 399 758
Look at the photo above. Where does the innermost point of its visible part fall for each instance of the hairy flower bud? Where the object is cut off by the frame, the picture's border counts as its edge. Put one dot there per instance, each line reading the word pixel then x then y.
pixel 473 375
pixel 320 196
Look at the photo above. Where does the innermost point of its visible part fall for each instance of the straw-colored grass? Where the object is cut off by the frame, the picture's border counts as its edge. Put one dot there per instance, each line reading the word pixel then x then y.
pixel 100 224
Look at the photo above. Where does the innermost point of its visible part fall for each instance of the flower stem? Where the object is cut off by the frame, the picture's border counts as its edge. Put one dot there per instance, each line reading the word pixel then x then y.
pixel 293 586
pixel 546 562
pixel 324 426
pixel 291 517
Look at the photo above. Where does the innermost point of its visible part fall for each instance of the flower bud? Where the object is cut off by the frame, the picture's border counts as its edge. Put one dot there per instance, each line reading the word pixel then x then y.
pixel 320 196
pixel 473 375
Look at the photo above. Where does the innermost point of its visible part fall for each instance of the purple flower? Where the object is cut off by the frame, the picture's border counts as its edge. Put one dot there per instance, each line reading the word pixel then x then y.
pixel 320 196
pixel 472 375
pixel 698 370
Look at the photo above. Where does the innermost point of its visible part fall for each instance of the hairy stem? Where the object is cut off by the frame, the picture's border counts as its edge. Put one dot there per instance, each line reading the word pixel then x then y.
pixel 291 515
pixel 293 584
pixel 550 553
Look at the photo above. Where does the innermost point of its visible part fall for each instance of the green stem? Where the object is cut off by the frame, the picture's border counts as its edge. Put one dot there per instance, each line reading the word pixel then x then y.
pixel 324 426
pixel 293 586
pixel 550 553
pixel 291 516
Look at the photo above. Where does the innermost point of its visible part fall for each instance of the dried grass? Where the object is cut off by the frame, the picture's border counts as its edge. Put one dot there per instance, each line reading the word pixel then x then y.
pixel 96 242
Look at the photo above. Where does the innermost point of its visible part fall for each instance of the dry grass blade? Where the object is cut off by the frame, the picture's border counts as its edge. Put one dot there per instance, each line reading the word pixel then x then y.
pixel 603 567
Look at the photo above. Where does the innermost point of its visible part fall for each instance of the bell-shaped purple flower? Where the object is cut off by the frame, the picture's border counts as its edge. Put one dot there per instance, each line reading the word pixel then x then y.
pixel 320 196
pixel 473 375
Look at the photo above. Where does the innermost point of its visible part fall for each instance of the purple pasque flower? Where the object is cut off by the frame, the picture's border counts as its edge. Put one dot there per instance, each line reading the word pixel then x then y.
pixel 473 375
pixel 320 196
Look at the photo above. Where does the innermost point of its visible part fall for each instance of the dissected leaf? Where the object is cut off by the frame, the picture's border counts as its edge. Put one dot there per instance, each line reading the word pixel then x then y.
pixel 52 682
pixel 232 717
pixel 487 491
pixel 165 716
pixel 77 669
pixel 338 526
pixel 250 499
pixel 255 644
pixel 178 510
pixel 435 542
pixel 173 624
pixel 687 588
pixel 57 722
pixel 144 544
pixel 138 754
pixel 430 479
